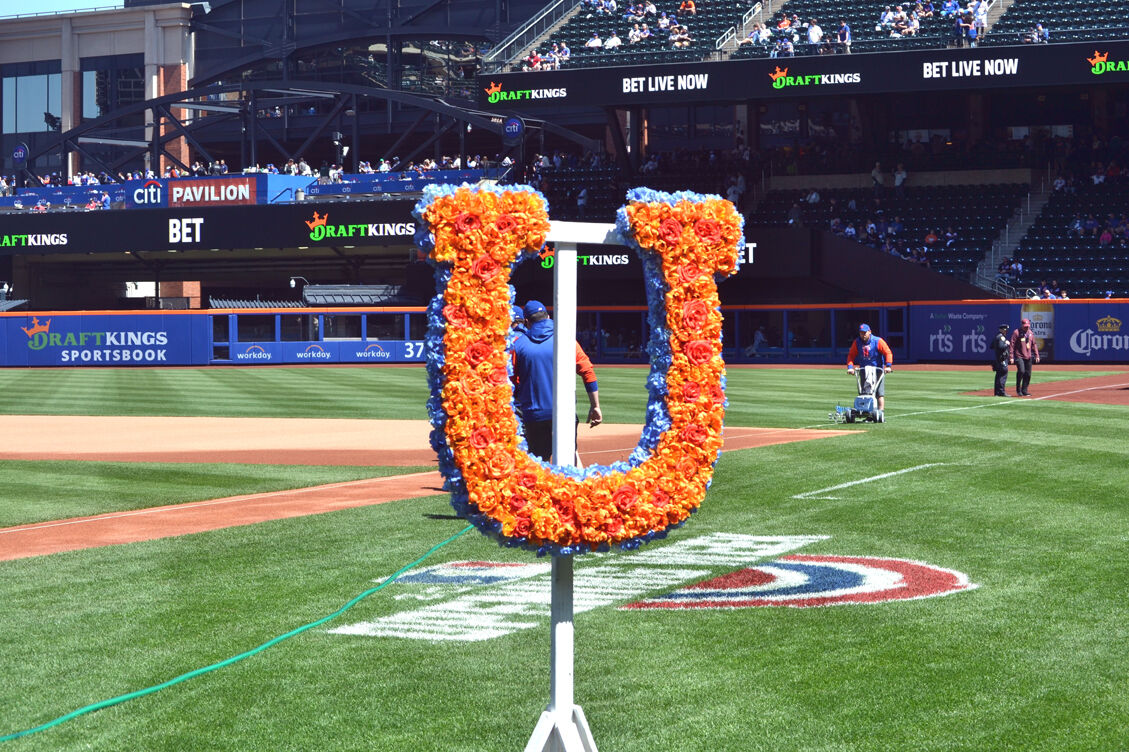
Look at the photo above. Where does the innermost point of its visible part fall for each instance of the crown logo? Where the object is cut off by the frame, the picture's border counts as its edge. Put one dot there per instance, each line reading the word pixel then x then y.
pixel 317 221
pixel 493 88
pixel 36 327
pixel 1109 324
pixel 1098 58
pixel 779 73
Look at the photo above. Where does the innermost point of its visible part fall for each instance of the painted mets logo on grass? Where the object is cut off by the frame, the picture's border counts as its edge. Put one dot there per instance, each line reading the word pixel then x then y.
pixel 479 600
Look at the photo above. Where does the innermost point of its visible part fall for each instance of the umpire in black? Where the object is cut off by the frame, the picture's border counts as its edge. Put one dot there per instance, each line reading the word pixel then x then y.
pixel 1001 354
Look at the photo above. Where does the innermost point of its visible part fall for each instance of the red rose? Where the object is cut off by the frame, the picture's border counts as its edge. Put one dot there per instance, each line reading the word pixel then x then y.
pixel 497 377
pixel 693 434
pixel 625 498
pixel 500 464
pixel 455 315
pixel 485 268
pixel 477 352
pixel 522 527
pixel 695 314
pixel 480 438
pixel 527 480
pixel 698 351
pixel 691 390
pixel 466 222
pixel 505 223
pixel 517 503
pixel 707 230
pixel 670 230
pixel 660 498
pixel 716 394
pixel 687 273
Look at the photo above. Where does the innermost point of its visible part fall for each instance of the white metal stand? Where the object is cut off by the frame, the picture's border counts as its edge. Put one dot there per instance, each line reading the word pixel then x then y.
pixel 563 727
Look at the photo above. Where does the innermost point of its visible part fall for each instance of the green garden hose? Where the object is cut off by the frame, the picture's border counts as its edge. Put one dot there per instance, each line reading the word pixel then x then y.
pixel 229 661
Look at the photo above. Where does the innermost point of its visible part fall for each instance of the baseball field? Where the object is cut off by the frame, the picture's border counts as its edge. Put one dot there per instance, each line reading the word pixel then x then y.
pixel 262 559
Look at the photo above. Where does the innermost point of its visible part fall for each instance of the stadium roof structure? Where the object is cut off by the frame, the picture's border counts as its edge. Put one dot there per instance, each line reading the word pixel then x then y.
pixel 358 295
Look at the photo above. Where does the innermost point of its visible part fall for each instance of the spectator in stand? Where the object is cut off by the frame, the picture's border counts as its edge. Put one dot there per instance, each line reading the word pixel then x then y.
pixel 980 17
pixel 612 41
pixel 950 9
pixel 925 9
pixel 951 236
pixel 680 37
pixel 956 33
pixel 931 238
pixel 783 48
pixel 687 8
pixel 886 20
pixel 795 214
pixel 633 36
pixel 645 33
pixel 594 41
pixel 815 38
pixel 812 196
pixel 649 7
pixel 1055 290
pixel 971 32
pixel 664 22
pixel 900 176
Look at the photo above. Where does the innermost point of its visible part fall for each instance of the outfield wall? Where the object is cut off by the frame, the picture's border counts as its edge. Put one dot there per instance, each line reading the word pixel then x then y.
pixel 957 331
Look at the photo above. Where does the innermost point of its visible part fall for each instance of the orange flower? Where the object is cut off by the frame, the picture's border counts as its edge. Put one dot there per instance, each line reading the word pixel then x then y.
pixel 699 351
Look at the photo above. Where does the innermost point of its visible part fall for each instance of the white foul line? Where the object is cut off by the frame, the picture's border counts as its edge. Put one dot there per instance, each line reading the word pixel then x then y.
pixel 812 494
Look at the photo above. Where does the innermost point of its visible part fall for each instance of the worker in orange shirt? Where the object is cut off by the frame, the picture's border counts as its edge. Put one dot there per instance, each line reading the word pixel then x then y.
pixel 870 350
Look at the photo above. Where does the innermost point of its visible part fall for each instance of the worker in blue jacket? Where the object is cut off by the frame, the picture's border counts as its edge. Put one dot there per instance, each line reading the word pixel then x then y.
pixel 533 371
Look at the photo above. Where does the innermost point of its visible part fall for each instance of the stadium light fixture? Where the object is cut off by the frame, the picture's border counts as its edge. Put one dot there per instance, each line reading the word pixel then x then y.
pixel 294 281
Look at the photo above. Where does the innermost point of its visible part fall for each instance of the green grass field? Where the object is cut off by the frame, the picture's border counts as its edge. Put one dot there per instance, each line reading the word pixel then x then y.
pixel 1027 498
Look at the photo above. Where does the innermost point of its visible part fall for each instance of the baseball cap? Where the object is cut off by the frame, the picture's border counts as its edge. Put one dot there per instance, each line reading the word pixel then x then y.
pixel 533 307
pixel 863 328
pixel 1004 326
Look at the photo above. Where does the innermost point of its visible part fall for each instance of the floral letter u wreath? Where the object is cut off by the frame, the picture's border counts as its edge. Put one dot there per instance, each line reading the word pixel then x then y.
pixel 476 237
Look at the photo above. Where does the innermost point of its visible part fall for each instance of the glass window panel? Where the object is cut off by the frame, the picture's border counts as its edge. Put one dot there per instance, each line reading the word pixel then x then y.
pixel 298 328
pixel 8 105
pixel 255 328
pixel 339 326
pixel 385 326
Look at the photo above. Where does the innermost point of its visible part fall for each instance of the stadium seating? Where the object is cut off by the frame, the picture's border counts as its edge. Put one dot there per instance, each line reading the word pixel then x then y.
pixel 978 213
pixel 712 20
pixel 862 18
pixel 1083 267
pixel 1066 21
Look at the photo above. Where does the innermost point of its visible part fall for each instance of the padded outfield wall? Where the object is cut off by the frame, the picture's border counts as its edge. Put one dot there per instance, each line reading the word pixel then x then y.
pixel 1087 331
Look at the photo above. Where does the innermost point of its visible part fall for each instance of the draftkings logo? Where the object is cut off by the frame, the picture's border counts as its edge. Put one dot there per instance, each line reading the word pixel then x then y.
pixel 495 94
pixel 320 229
pixel 1100 63
pixel 549 258
pixel 781 79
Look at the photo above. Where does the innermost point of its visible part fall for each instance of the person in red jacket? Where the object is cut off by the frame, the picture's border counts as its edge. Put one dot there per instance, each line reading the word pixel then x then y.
pixel 1024 350
pixel 869 350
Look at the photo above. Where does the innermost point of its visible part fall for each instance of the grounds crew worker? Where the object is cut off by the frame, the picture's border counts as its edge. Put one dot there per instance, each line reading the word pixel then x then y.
pixel 1001 351
pixel 871 351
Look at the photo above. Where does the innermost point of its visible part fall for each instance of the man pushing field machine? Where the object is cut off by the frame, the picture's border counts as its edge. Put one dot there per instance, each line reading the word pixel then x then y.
pixel 874 360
